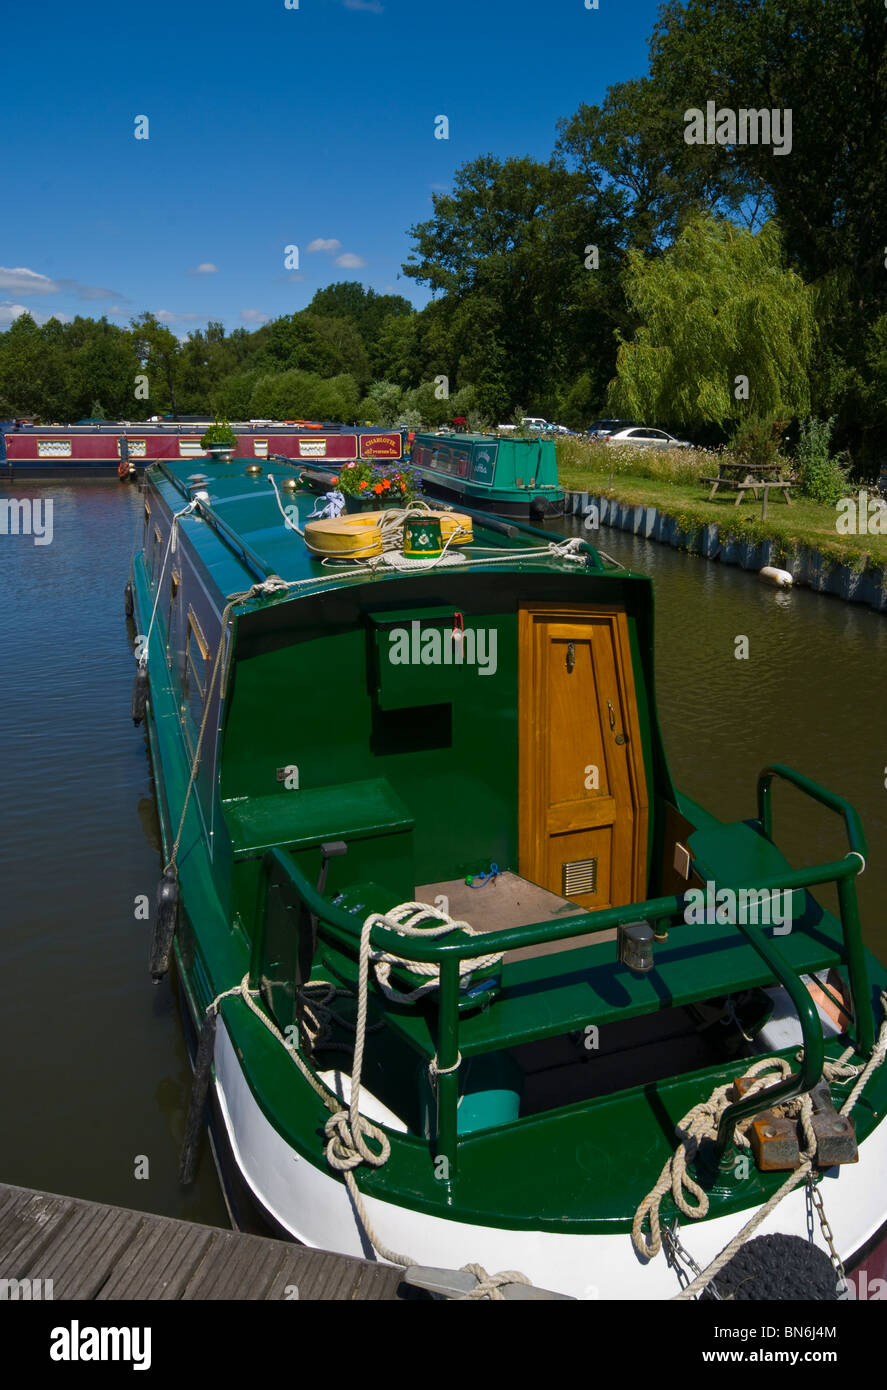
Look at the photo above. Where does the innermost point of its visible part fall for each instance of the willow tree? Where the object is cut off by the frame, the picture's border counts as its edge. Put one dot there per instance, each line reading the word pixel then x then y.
pixel 725 330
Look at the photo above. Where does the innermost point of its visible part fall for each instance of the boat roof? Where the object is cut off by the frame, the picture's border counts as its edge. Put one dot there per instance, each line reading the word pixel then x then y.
pixel 191 425
pixel 463 437
pixel 242 538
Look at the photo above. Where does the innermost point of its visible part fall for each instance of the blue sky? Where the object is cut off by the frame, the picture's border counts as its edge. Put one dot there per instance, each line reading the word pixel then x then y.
pixel 268 127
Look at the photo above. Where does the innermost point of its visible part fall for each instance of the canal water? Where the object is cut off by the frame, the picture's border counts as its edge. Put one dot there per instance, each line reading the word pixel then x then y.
pixel 95 1075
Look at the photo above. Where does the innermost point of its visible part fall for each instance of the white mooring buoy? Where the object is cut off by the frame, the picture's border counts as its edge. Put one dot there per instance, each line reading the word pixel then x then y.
pixel 781 578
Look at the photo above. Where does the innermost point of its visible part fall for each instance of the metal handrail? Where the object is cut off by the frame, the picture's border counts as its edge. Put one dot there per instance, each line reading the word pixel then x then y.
pixel 533 933
pixel 248 557
pixel 811 1032
pixel 855 832
pixel 857 969
pixel 449 955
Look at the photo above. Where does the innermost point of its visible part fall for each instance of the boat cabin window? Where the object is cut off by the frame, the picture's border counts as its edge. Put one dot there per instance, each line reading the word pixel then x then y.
pixel 194 679
pixel 175 581
pixel 138 449
pixel 53 448
pixel 156 554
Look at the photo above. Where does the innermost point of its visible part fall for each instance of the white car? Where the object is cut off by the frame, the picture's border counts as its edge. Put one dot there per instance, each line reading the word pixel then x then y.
pixel 649 438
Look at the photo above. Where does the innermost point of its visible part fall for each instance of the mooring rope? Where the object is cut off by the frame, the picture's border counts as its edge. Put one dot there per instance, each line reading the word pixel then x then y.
pixel 170 549
pixel 406 919
pixel 269 586
pixel 702 1123
pixel 348 1133
pixel 288 521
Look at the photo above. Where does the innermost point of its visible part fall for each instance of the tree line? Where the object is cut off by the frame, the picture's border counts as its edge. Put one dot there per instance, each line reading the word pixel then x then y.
pixel 693 285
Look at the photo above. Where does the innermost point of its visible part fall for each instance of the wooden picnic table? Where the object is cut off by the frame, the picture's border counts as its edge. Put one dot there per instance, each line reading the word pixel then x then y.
pixel 748 477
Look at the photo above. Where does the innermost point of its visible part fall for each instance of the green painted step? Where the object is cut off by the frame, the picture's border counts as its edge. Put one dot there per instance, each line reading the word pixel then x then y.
pixel 301 819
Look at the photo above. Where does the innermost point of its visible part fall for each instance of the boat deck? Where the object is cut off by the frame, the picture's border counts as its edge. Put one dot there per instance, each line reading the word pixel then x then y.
pixel 243 535
pixel 97 1252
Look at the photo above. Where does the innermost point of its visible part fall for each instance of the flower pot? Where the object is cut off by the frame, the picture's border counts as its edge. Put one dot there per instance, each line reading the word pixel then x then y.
pixel 355 503
pixel 220 452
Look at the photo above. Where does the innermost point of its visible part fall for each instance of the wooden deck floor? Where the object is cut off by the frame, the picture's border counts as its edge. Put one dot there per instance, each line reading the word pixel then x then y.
pixel 92 1251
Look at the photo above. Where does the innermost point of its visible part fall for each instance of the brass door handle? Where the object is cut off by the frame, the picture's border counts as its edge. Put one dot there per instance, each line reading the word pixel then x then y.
pixel 620 738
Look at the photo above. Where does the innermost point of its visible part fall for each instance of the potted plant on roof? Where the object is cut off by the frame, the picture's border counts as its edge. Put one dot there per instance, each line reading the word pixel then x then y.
pixel 219 441
pixel 370 487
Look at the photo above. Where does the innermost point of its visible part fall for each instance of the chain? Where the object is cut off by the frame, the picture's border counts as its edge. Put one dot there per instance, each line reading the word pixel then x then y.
pixel 816 1198
pixel 675 1252
pixel 808 1213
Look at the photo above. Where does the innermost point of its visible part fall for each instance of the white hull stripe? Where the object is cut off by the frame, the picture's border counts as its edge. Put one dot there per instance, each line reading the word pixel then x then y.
pixel 316 1209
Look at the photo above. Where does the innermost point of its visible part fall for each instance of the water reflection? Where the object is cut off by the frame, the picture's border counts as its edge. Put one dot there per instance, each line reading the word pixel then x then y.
pixel 94 1043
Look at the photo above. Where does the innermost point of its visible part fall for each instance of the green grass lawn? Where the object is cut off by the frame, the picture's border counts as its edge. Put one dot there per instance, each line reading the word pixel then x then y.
pixel 670 482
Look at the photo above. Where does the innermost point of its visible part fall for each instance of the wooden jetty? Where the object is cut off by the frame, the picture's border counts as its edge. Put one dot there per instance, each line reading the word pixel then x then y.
pixel 93 1251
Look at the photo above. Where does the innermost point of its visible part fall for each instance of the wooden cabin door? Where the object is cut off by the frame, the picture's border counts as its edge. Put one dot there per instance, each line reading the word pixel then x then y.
pixel 583 795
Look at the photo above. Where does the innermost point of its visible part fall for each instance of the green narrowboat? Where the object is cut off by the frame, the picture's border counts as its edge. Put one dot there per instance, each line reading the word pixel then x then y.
pixel 488 472
pixel 475 984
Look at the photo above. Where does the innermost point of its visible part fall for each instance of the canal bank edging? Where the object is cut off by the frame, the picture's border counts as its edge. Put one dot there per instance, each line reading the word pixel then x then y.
pixel 807 565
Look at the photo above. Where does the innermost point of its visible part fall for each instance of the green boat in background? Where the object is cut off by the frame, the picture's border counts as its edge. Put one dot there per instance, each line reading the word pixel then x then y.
pixel 475 984
pixel 489 472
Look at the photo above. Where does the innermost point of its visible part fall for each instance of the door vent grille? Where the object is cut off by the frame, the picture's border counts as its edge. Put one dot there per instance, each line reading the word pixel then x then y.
pixel 580 876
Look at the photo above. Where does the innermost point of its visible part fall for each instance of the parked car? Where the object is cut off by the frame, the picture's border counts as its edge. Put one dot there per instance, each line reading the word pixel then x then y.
pixel 648 438
pixel 599 429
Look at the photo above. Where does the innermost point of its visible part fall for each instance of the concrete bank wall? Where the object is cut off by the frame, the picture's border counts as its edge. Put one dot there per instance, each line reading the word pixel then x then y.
pixel 807 566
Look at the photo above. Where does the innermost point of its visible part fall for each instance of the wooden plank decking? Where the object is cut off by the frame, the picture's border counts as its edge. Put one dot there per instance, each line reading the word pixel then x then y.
pixel 92 1251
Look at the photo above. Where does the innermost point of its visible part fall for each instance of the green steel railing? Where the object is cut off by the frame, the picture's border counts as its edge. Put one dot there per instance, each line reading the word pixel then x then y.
pixel 846 885
pixel 339 926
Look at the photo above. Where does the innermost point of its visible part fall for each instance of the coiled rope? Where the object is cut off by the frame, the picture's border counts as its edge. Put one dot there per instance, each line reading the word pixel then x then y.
pixel 350 1136
pixel 702 1123
pixel 406 919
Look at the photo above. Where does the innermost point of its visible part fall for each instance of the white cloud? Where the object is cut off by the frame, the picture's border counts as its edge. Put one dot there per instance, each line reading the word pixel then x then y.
pixel 318 244
pixel 369 6
pixel 253 316
pixel 205 268
pixel 9 312
pixel 24 281
pixel 164 316
pixel 350 261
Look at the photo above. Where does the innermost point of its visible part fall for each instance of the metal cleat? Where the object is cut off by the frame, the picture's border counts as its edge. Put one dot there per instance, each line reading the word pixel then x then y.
pixel 835 1133
pixel 456 1283
pixel 773 1138
pixel 774 1142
